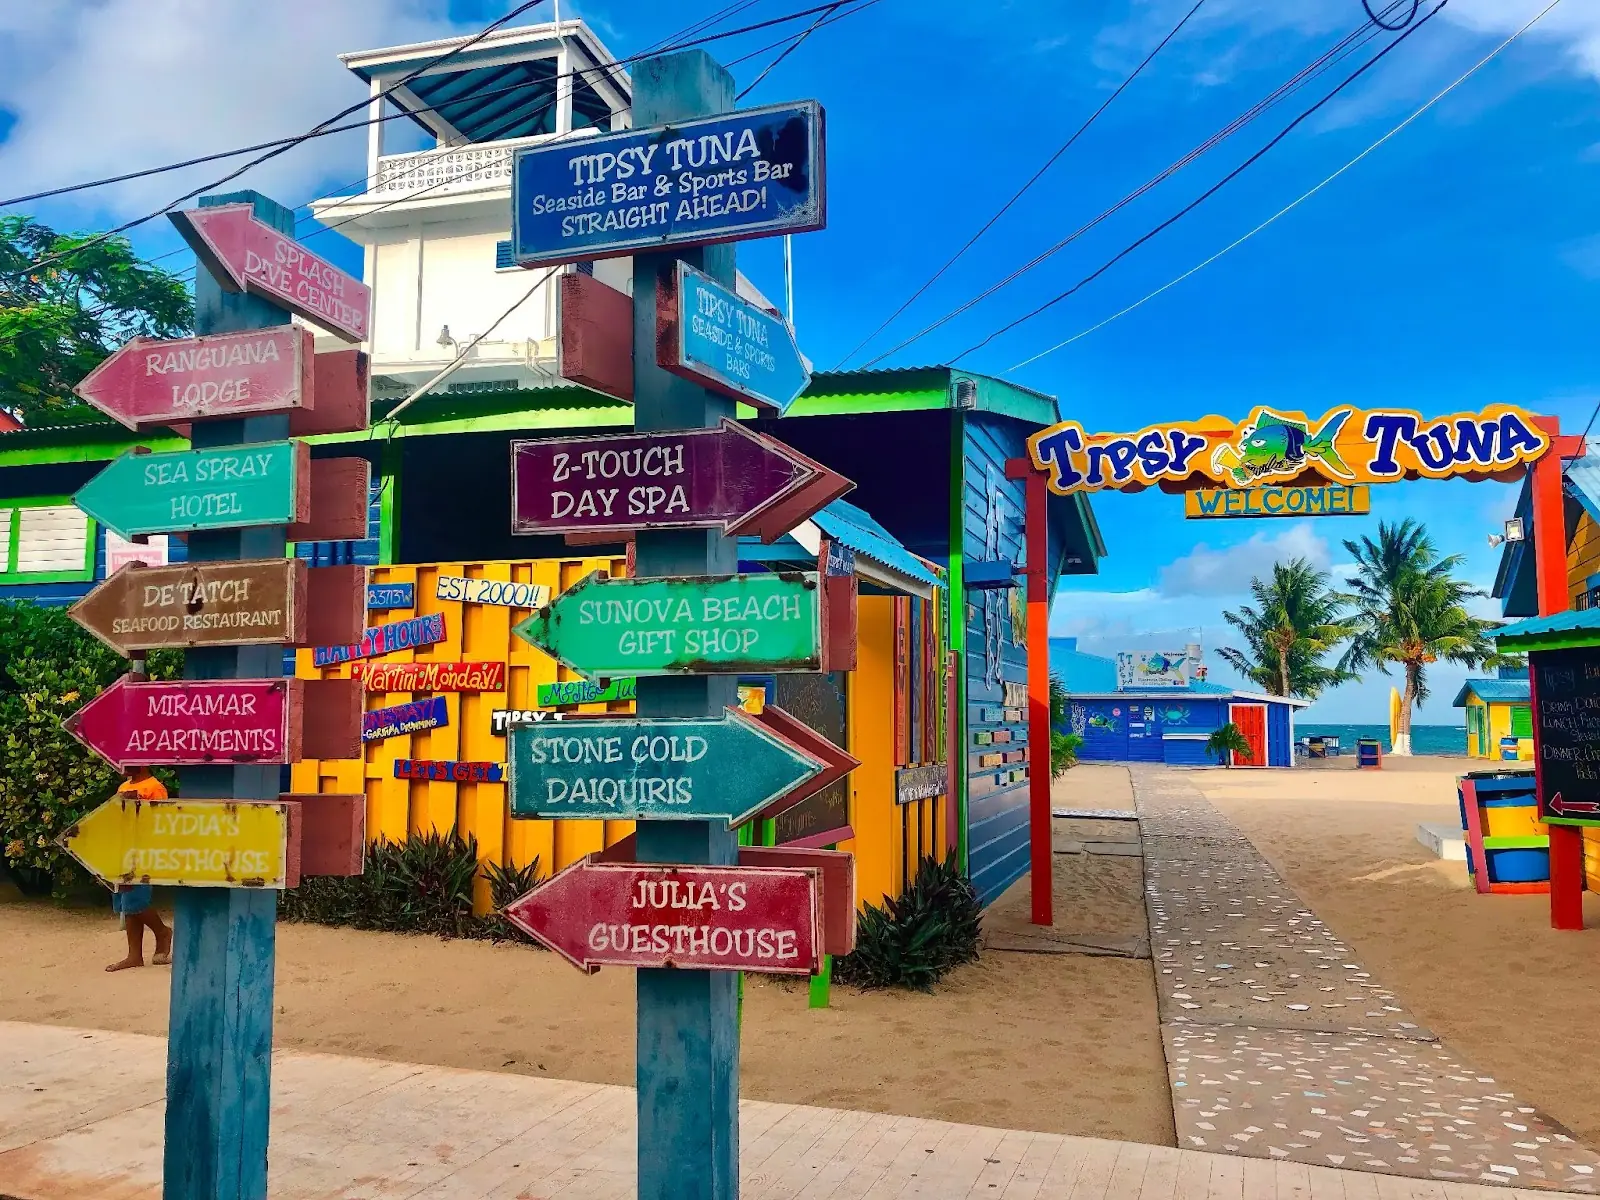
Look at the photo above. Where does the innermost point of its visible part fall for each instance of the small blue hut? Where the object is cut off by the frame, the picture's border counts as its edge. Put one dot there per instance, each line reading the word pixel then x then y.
pixel 1156 708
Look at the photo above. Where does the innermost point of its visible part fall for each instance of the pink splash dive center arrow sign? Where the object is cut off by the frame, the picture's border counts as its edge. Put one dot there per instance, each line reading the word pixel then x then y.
pixel 707 918
pixel 252 256
pixel 148 382
pixel 188 722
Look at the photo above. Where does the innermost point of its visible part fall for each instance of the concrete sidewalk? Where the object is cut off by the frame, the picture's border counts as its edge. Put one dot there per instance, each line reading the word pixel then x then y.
pixel 81 1114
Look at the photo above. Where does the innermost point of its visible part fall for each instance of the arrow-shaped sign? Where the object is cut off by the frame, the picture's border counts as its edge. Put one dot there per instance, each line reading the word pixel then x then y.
pixel 190 722
pixel 729 478
pixel 264 483
pixel 246 254
pixel 150 382
pixel 185 843
pixel 695 625
pixel 712 335
pixel 727 768
pixel 1561 807
pixel 230 603
pixel 703 918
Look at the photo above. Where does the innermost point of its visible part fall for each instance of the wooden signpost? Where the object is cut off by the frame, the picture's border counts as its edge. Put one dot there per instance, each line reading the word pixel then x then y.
pixel 712 335
pixel 727 478
pixel 149 382
pixel 245 254
pixel 688 175
pixel 243 387
pixel 683 625
pixel 265 483
pixel 270 602
pixel 722 768
pixel 708 918
pixel 177 843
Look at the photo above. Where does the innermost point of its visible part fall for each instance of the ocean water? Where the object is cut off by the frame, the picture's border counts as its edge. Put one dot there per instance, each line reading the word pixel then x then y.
pixel 1425 739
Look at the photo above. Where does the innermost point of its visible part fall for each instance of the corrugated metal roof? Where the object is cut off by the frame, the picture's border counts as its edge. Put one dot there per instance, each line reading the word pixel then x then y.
pixel 855 527
pixel 1494 691
pixel 1081 672
pixel 1583 620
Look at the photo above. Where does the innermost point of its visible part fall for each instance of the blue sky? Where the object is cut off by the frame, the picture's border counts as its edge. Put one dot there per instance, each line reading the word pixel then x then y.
pixel 1458 265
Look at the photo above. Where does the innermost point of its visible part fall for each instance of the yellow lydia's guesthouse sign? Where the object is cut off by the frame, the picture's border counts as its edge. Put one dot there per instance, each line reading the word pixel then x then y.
pixel 1346 446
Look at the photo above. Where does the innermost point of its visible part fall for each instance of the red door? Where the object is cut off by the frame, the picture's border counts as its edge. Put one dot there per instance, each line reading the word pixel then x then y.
pixel 1251 720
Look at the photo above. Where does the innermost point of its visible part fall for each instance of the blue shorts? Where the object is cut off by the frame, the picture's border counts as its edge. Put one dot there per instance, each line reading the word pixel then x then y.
pixel 131 899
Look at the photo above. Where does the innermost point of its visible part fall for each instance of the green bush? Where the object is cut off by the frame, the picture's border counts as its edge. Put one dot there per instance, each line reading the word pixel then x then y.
pixel 1228 740
pixel 915 940
pixel 420 885
pixel 1064 749
pixel 50 668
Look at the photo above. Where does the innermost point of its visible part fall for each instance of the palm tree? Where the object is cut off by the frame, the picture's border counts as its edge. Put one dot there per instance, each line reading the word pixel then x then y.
pixel 1295 622
pixel 1411 611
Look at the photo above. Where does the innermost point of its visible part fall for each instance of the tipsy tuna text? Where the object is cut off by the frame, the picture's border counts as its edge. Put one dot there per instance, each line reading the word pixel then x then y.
pixel 1347 445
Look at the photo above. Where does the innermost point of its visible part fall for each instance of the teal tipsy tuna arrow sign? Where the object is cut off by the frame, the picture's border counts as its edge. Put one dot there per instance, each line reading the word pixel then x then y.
pixel 708 624
pixel 726 767
pixel 266 483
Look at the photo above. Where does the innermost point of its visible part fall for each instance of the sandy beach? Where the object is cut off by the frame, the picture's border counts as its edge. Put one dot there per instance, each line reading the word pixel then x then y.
pixel 1054 1030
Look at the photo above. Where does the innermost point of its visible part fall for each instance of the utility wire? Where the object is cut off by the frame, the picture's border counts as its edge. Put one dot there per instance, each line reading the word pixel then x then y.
pixel 293 142
pixel 1293 204
pixel 1023 190
pixel 790 49
pixel 1340 50
pixel 326 129
pixel 1214 188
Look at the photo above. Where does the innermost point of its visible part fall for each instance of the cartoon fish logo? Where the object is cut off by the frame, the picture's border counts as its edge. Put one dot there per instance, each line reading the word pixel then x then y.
pixel 1273 446
pixel 1099 721
pixel 1157 664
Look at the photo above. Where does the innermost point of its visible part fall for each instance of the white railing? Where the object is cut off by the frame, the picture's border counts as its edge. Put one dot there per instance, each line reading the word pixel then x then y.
pixel 449 168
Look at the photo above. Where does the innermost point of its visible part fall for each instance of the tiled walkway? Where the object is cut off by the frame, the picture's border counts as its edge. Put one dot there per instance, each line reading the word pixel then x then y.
pixel 81 1112
pixel 1281 1045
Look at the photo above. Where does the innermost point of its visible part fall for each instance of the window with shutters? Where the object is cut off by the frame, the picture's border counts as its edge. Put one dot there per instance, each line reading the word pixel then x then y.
pixel 46 540
pixel 1521 721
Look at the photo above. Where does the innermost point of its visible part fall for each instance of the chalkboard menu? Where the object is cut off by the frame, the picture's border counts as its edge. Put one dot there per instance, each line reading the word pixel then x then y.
pixel 1566 734
pixel 819 701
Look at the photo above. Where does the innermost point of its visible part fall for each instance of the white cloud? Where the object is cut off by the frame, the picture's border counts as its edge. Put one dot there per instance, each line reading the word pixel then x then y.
pixel 109 87
pixel 1583 256
pixel 1227 571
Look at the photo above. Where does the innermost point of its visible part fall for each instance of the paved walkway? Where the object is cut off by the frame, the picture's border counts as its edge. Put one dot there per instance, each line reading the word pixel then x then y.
pixel 1281 1045
pixel 81 1112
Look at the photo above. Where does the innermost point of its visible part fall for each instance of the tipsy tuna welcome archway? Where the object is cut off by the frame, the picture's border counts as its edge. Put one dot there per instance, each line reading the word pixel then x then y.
pixel 1348 447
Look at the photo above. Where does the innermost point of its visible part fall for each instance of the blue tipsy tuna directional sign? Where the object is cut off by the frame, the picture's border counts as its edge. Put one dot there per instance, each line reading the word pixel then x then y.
pixel 724 768
pixel 711 335
pixel 746 174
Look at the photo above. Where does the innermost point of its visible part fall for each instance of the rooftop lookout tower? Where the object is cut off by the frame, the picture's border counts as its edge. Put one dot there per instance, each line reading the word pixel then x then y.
pixel 436 221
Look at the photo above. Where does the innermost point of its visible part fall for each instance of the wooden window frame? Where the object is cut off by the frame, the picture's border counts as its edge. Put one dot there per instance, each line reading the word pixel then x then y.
pixel 11 577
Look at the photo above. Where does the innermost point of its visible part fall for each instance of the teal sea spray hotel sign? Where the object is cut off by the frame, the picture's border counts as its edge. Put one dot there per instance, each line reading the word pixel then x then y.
pixel 263 483
pixel 752 173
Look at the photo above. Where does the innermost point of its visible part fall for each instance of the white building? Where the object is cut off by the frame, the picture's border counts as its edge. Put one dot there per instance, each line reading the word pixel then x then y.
pixel 436 222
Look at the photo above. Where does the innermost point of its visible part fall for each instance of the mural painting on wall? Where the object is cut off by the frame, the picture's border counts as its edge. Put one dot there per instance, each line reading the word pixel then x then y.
pixel 994 526
pixel 1347 445
pixel 1152 669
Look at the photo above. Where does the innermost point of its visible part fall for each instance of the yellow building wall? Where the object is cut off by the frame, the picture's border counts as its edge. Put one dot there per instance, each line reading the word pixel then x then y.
pixel 474 633
pixel 874 816
pixel 1499 727
pixel 1583 558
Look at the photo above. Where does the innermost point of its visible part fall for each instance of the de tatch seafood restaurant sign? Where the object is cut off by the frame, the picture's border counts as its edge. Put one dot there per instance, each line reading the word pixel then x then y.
pixel 752 173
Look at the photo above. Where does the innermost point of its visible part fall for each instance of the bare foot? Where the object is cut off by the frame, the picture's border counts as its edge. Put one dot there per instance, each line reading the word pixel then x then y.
pixel 125 964
pixel 163 954
pixel 161 958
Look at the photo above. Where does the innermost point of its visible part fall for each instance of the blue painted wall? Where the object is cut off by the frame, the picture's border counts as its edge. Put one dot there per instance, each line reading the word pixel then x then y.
pixel 1280 749
pixel 997 808
pixel 1130 728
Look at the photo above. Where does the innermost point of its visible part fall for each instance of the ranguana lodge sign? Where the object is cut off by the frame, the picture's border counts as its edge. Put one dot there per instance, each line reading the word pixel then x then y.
pixel 1345 446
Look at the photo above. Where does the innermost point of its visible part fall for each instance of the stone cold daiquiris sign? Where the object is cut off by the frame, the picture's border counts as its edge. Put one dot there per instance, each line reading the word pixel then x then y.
pixel 727 768
pixel 745 174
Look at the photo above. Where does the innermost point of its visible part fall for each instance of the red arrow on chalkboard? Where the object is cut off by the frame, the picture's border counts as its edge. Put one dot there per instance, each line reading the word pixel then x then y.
pixel 1572 808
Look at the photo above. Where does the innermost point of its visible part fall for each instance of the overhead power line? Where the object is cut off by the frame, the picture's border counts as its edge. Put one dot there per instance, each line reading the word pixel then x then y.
pixel 1023 190
pixel 322 129
pixel 1213 189
pixel 1343 48
pixel 1299 200
pixel 292 142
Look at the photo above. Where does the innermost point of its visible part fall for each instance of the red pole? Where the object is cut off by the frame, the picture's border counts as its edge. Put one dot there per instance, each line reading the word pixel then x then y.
pixel 1036 540
pixel 1550 575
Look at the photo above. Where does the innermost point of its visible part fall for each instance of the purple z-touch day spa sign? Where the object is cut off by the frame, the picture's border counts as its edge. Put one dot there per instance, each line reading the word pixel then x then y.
pixel 728 478
pixel 718 179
